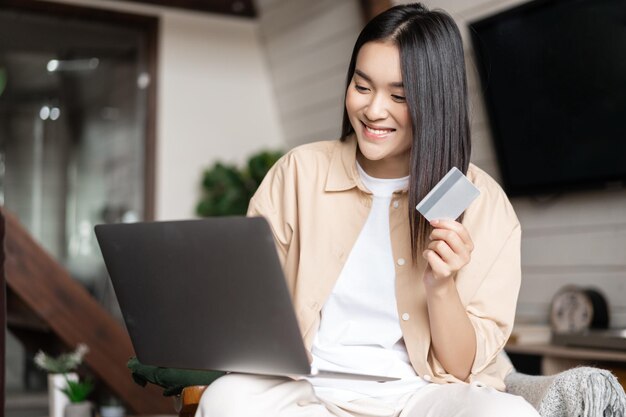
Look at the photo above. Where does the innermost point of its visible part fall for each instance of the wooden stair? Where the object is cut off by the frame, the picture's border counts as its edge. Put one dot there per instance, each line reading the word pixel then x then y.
pixel 3 317
pixel 42 298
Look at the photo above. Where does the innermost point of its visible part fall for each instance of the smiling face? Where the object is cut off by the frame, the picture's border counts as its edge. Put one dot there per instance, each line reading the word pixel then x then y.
pixel 376 107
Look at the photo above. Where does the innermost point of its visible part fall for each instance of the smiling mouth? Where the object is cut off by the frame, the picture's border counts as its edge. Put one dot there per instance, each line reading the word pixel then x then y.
pixel 377 131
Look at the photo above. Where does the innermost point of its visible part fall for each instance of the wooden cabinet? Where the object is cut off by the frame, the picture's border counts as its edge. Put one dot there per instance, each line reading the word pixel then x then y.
pixel 554 359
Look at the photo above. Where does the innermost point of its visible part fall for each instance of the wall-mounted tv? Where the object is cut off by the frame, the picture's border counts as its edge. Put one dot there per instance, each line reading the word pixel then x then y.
pixel 553 75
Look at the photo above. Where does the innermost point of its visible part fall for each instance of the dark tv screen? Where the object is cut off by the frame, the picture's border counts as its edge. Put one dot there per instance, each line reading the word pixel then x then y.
pixel 553 75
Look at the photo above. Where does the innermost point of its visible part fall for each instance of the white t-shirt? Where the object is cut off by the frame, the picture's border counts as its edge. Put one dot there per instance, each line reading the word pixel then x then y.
pixel 359 329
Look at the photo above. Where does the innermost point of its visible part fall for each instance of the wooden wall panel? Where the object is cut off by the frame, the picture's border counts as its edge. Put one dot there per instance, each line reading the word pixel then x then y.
pixel 289 15
pixel 314 92
pixel 308 47
pixel 482 151
pixel 575 246
pixel 326 58
pixel 573 211
pixel 317 124
pixel 284 47
pixel 609 282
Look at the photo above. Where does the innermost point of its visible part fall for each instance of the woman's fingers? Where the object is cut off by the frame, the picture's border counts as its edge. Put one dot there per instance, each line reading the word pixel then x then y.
pixel 456 227
pixel 442 249
pixel 450 248
pixel 454 260
pixel 452 238
pixel 439 267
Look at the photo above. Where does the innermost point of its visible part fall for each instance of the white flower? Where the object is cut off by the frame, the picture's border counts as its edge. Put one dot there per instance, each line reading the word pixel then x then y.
pixel 64 362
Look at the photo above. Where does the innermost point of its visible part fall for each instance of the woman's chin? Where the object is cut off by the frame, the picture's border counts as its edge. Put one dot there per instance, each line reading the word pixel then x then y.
pixel 372 150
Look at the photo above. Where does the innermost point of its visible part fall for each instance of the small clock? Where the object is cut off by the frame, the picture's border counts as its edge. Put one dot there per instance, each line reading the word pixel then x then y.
pixel 575 309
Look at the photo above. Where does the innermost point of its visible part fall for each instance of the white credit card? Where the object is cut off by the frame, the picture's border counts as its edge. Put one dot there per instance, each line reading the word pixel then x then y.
pixel 449 198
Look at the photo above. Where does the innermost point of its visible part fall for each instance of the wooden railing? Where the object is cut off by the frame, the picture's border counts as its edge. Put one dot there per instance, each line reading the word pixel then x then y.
pixel 43 301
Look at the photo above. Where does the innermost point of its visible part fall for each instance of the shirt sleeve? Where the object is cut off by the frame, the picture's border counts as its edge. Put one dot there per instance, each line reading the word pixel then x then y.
pixel 492 309
pixel 271 201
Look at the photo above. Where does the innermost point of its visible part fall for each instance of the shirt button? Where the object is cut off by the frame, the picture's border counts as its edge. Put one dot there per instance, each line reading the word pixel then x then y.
pixel 406 316
pixel 401 261
pixel 396 204
pixel 427 378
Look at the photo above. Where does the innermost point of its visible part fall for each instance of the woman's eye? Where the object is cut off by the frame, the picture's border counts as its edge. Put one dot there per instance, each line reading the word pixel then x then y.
pixel 399 99
pixel 360 88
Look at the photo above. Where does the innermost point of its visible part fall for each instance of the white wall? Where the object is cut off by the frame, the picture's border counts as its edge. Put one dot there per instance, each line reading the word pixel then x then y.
pixel 577 238
pixel 215 99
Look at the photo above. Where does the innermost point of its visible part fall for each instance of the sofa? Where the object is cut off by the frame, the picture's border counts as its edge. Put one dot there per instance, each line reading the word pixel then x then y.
pixel 576 392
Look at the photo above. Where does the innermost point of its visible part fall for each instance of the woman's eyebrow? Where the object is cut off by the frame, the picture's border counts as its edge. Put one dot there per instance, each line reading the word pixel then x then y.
pixel 361 74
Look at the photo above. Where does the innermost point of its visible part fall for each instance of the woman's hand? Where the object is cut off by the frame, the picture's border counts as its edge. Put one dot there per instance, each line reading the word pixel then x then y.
pixel 452 334
pixel 450 250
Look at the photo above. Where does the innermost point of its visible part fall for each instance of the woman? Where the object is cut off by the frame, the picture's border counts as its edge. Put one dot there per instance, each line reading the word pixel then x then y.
pixel 376 288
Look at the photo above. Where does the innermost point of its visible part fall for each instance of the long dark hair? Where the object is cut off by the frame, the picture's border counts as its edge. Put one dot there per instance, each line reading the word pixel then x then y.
pixel 433 74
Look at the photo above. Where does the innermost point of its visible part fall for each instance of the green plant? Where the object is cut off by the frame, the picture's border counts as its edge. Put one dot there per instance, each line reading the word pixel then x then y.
pixel 259 164
pixel 77 391
pixel 63 363
pixel 226 189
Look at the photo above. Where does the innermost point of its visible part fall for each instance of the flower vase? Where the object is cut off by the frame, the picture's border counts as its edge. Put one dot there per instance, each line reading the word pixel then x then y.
pixel 81 409
pixel 112 411
pixel 57 400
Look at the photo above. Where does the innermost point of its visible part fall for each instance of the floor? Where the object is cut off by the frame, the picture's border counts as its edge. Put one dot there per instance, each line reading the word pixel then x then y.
pixel 21 404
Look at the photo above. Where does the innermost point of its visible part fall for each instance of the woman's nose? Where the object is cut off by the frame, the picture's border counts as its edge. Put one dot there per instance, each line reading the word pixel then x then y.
pixel 377 108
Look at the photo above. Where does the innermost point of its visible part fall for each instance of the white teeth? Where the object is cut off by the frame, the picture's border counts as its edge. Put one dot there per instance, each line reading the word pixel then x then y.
pixel 378 132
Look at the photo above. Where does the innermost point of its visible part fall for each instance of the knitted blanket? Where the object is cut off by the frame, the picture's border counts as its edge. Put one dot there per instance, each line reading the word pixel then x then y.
pixel 577 392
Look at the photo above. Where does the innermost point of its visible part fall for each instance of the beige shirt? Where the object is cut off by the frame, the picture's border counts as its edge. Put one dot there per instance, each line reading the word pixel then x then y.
pixel 316 205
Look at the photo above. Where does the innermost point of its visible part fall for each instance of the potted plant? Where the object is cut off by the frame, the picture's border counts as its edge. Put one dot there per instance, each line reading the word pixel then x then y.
pixel 227 189
pixel 112 407
pixel 60 371
pixel 77 393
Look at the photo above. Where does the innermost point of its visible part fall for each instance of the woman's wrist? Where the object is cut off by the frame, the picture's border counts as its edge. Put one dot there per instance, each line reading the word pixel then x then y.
pixel 440 288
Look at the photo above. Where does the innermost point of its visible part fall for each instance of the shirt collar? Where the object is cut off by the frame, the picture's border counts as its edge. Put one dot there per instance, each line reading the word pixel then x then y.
pixel 342 173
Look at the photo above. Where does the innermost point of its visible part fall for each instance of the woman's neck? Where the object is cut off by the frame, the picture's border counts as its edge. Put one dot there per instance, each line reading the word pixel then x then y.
pixel 390 167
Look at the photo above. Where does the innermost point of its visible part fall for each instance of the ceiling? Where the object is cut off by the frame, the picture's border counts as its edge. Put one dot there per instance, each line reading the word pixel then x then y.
pixel 241 8
pixel 29 41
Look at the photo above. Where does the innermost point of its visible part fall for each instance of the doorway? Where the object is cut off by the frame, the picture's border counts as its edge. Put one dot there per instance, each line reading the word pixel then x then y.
pixel 77 136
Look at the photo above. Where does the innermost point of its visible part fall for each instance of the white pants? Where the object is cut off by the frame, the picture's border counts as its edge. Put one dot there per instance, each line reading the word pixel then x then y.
pixel 238 395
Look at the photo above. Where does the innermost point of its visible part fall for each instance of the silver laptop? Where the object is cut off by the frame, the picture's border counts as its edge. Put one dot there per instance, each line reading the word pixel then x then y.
pixel 207 294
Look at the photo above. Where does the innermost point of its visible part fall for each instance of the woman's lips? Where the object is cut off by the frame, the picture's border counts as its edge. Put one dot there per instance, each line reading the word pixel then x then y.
pixel 376 132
